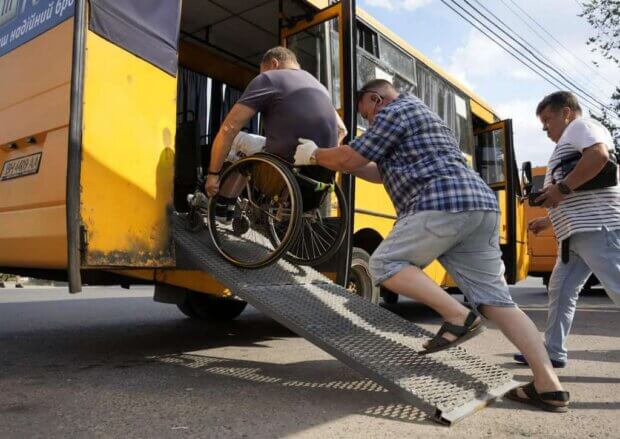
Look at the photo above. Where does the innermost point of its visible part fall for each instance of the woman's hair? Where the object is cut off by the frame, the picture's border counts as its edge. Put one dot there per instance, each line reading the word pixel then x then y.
pixel 558 100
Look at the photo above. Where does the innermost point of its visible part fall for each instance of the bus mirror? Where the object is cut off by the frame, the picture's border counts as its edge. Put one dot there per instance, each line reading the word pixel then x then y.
pixel 526 177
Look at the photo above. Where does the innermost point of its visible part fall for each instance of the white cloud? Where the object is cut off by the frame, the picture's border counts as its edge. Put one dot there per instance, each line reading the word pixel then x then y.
pixel 438 55
pixel 599 82
pixel 397 5
pixel 530 142
pixel 509 86
pixel 480 58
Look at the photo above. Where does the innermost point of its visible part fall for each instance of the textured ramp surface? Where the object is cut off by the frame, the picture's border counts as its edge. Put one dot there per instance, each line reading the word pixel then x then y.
pixel 379 344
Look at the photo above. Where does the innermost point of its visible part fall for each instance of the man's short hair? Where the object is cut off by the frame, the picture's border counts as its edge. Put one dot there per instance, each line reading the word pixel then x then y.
pixel 374 85
pixel 281 54
pixel 558 100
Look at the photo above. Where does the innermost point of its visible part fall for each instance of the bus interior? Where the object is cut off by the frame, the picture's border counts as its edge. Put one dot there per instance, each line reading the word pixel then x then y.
pixel 220 50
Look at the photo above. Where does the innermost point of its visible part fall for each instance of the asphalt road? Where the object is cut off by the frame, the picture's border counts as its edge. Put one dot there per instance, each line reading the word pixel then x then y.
pixel 112 363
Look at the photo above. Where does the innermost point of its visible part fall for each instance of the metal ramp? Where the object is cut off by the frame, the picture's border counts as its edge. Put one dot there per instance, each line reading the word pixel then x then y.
pixel 448 385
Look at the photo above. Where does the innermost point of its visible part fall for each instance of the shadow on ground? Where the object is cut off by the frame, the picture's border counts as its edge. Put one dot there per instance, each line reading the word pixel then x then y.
pixel 63 358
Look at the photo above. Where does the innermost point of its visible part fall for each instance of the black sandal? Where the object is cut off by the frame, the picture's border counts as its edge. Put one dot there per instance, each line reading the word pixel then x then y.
pixel 540 399
pixel 463 333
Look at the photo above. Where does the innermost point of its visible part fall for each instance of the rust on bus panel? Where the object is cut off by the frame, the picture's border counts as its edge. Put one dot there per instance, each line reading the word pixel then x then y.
pixel 130 259
pixel 136 254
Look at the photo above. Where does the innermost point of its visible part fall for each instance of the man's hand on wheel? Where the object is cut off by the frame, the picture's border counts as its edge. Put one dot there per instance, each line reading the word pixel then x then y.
pixel 305 151
pixel 212 186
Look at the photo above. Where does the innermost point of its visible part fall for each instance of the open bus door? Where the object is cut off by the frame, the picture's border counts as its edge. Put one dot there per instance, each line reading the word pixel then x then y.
pixel 495 161
pixel 325 46
pixel 121 146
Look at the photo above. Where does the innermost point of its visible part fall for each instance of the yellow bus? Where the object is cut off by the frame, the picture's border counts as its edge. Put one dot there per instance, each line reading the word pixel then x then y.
pixel 108 109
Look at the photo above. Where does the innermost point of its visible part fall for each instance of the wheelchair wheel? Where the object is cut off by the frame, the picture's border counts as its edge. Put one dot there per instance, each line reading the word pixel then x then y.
pixel 323 228
pixel 262 194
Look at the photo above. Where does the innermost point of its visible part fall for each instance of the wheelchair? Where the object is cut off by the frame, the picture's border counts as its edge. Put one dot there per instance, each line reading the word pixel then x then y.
pixel 275 211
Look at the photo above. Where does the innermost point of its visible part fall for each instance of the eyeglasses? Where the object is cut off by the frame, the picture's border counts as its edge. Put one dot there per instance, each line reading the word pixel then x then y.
pixel 362 92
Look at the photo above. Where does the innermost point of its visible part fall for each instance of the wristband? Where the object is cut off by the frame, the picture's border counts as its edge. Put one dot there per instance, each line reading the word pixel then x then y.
pixel 213 173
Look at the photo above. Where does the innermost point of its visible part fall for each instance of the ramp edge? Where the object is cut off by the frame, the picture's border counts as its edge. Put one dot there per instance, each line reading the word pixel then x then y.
pixel 453 416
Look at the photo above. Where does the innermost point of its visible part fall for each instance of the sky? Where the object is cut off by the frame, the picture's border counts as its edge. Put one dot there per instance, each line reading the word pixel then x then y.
pixel 508 86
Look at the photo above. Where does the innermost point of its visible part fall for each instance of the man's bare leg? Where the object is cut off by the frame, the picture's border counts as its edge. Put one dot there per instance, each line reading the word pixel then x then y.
pixel 522 332
pixel 415 284
pixel 514 323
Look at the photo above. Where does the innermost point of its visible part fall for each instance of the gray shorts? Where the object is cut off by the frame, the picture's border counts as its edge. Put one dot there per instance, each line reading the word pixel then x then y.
pixel 465 243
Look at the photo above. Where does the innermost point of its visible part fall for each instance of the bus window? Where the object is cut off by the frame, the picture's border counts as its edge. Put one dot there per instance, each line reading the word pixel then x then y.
pixel 317 49
pixel 367 39
pixel 463 124
pixel 490 157
pixel 398 60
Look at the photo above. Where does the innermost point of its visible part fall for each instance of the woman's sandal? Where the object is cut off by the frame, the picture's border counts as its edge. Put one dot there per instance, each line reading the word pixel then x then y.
pixel 463 333
pixel 540 399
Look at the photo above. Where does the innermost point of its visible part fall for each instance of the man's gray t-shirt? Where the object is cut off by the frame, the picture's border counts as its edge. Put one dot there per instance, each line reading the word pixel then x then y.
pixel 294 104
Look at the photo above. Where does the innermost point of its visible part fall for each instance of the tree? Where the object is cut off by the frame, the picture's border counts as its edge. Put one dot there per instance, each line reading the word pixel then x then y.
pixel 604 17
pixel 606 120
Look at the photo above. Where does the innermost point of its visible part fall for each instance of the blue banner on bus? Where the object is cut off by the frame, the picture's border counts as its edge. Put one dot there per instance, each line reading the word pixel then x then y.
pixel 22 20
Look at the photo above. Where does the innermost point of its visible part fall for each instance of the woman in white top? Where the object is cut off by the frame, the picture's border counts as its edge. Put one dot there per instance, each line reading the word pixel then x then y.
pixel 585 222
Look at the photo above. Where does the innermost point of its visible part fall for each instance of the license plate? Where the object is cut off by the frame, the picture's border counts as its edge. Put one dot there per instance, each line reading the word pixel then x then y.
pixel 21 167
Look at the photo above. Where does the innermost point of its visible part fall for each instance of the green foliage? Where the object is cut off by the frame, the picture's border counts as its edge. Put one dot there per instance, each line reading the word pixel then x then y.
pixel 607 122
pixel 604 17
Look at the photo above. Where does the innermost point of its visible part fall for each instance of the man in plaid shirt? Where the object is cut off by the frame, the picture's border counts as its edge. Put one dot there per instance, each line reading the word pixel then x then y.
pixel 445 212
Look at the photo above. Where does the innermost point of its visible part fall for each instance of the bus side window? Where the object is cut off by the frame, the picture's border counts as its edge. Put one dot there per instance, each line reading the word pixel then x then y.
pixel 318 52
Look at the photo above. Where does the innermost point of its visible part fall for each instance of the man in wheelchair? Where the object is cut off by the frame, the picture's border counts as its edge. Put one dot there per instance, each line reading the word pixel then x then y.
pixel 293 103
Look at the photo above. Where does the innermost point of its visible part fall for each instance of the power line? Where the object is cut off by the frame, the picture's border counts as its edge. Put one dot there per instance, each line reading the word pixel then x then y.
pixel 445 2
pixel 557 41
pixel 564 76
pixel 587 79
pixel 535 68
pixel 522 58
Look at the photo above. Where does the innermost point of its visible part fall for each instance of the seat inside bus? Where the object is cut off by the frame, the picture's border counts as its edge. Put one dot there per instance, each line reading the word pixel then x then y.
pixel 221 46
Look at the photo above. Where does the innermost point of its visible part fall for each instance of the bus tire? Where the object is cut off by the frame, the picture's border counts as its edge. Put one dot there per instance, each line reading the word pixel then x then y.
pixel 201 306
pixel 360 281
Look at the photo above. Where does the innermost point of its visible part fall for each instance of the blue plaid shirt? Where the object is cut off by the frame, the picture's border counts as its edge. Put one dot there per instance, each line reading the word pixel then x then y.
pixel 420 161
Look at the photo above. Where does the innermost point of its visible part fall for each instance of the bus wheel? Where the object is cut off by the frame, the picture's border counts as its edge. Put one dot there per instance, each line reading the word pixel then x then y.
pixel 200 306
pixel 360 282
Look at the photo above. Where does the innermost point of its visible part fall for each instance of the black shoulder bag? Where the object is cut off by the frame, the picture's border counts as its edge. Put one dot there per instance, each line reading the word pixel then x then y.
pixel 608 176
